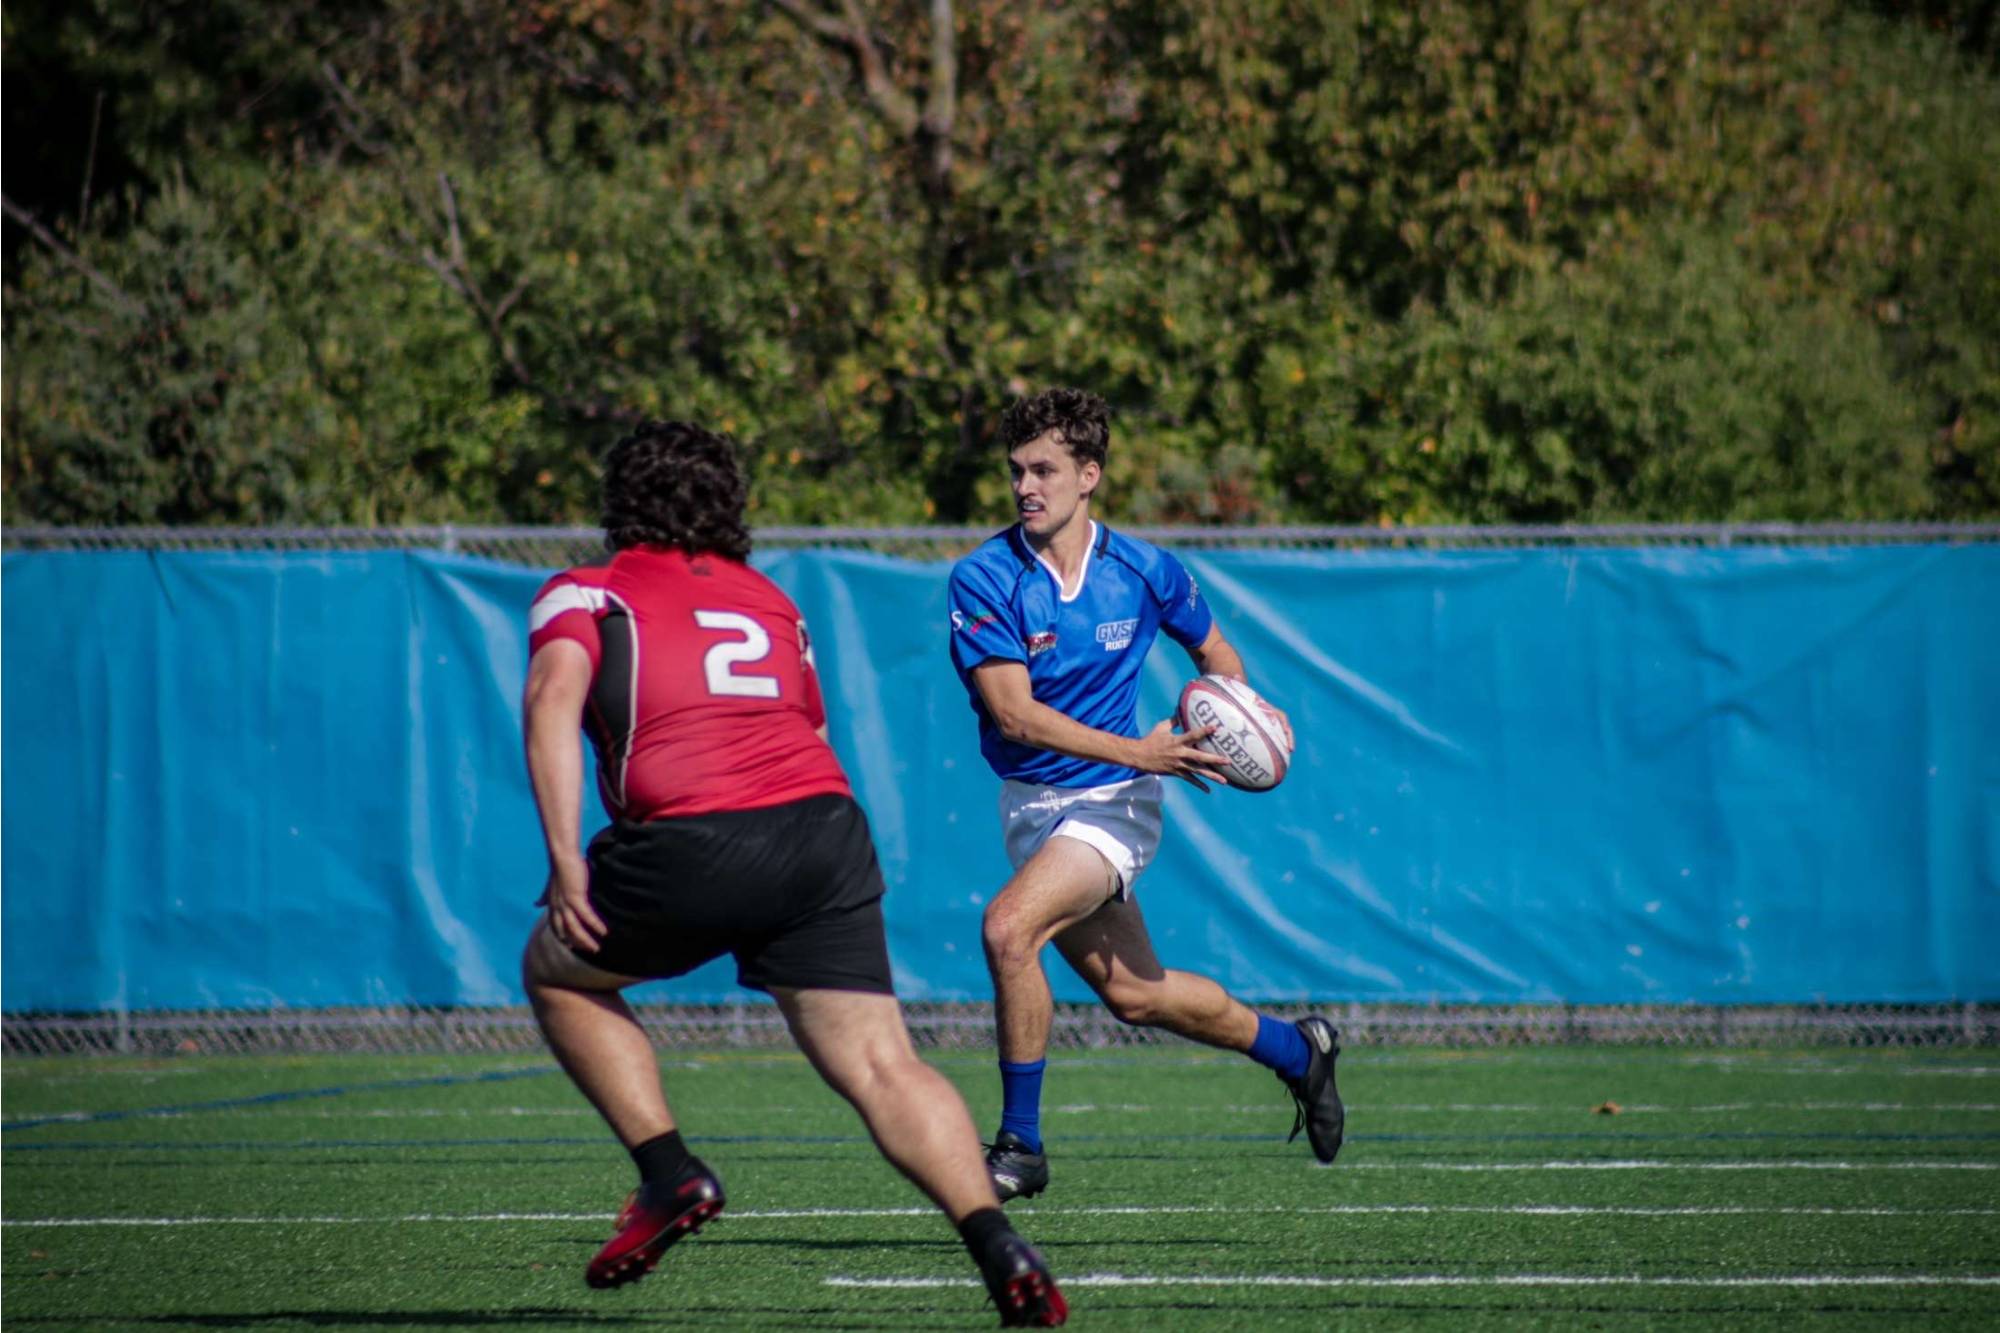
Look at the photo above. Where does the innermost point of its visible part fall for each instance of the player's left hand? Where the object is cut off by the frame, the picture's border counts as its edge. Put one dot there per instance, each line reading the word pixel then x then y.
pixel 1278 714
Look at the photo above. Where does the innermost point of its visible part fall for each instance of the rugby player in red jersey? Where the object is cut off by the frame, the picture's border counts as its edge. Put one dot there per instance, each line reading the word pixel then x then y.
pixel 733 832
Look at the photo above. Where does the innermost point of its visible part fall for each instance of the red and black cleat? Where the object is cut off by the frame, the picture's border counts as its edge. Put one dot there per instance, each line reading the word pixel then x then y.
pixel 653 1218
pixel 1022 1286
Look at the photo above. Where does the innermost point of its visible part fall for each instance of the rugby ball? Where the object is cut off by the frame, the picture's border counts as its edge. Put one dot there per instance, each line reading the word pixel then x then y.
pixel 1247 732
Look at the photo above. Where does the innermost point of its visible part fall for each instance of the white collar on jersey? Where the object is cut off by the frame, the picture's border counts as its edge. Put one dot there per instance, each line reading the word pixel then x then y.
pixel 1069 594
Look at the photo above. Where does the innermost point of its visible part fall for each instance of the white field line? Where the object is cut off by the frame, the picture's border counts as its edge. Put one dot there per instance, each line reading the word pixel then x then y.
pixel 376 1113
pixel 1072 1108
pixel 1452 1280
pixel 1584 1063
pixel 775 1214
pixel 1609 1059
pixel 1573 1108
pixel 1612 1164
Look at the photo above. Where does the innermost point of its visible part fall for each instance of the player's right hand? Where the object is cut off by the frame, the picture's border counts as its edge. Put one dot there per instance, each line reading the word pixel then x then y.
pixel 571 916
pixel 1174 753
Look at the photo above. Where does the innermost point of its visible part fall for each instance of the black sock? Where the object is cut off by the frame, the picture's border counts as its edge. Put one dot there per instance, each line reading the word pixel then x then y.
pixel 980 1229
pixel 661 1159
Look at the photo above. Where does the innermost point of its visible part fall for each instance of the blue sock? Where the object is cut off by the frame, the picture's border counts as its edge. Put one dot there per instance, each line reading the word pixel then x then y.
pixel 1281 1046
pixel 1021 1101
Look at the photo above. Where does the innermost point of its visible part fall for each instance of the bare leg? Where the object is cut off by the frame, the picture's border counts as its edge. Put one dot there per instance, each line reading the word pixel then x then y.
pixel 1113 952
pixel 1059 886
pixel 859 1045
pixel 596 1038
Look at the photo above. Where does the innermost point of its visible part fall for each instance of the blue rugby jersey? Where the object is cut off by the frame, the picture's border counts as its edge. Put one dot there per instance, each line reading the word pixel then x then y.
pixel 1083 655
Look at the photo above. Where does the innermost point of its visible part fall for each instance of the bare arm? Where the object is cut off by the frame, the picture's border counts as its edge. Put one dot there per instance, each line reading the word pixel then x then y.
pixel 551 712
pixel 1216 656
pixel 1009 697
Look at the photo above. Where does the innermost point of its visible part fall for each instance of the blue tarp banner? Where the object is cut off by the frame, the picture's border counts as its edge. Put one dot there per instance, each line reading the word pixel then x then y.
pixel 1654 775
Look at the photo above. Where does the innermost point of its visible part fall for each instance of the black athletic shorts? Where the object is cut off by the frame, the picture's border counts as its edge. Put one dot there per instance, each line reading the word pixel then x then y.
pixel 793 891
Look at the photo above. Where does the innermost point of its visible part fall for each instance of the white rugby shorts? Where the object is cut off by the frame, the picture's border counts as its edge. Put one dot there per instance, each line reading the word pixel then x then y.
pixel 1121 820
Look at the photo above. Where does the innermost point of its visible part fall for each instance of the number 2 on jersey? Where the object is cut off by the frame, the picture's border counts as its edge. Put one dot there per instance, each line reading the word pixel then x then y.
pixel 720 662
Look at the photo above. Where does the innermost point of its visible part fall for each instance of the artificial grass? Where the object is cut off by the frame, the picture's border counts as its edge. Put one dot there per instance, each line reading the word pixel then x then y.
pixel 1478 1189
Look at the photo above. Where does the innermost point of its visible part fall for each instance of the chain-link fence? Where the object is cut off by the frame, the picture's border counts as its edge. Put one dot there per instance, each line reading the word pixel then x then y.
pixel 970 1027
pixel 554 548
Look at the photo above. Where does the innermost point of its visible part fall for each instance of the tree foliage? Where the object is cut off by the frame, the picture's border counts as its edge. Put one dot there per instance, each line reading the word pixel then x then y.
pixel 417 260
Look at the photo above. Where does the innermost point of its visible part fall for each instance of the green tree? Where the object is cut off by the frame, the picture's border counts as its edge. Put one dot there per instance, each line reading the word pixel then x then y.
pixel 417 260
pixel 1665 384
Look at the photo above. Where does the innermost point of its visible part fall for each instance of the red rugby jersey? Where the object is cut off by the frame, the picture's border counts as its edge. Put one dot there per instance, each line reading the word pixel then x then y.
pixel 703 695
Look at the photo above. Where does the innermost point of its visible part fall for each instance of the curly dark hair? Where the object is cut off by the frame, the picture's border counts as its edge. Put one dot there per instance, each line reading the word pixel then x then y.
pixel 672 484
pixel 1083 419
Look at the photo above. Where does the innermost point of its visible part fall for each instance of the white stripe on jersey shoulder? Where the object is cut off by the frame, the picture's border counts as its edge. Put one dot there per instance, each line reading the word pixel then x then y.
pixel 561 598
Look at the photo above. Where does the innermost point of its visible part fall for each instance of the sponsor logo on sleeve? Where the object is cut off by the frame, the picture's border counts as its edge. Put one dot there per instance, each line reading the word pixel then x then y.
pixel 1116 635
pixel 1194 592
pixel 1040 642
pixel 961 623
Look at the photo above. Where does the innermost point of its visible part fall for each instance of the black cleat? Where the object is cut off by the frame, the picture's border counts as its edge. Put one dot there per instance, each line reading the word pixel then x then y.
pixel 653 1218
pixel 1021 1285
pixel 1016 1172
pixel 1320 1113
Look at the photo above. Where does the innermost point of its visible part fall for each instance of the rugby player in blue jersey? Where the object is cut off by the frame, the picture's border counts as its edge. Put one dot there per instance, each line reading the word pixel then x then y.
pixel 1051 621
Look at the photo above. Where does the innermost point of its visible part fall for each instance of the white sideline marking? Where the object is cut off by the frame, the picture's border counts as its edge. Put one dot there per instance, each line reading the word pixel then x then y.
pixel 377 1113
pixel 1741 1064
pixel 773 1214
pixel 1559 1108
pixel 297 1221
pixel 1647 1165
pixel 1073 1108
pixel 1450 1280
pixel 1526 1210
pixel 393 1219
pixel 1645 1108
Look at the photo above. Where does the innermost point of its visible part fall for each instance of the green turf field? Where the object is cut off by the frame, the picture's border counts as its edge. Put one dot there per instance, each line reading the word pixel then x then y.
pixel 1850 1189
